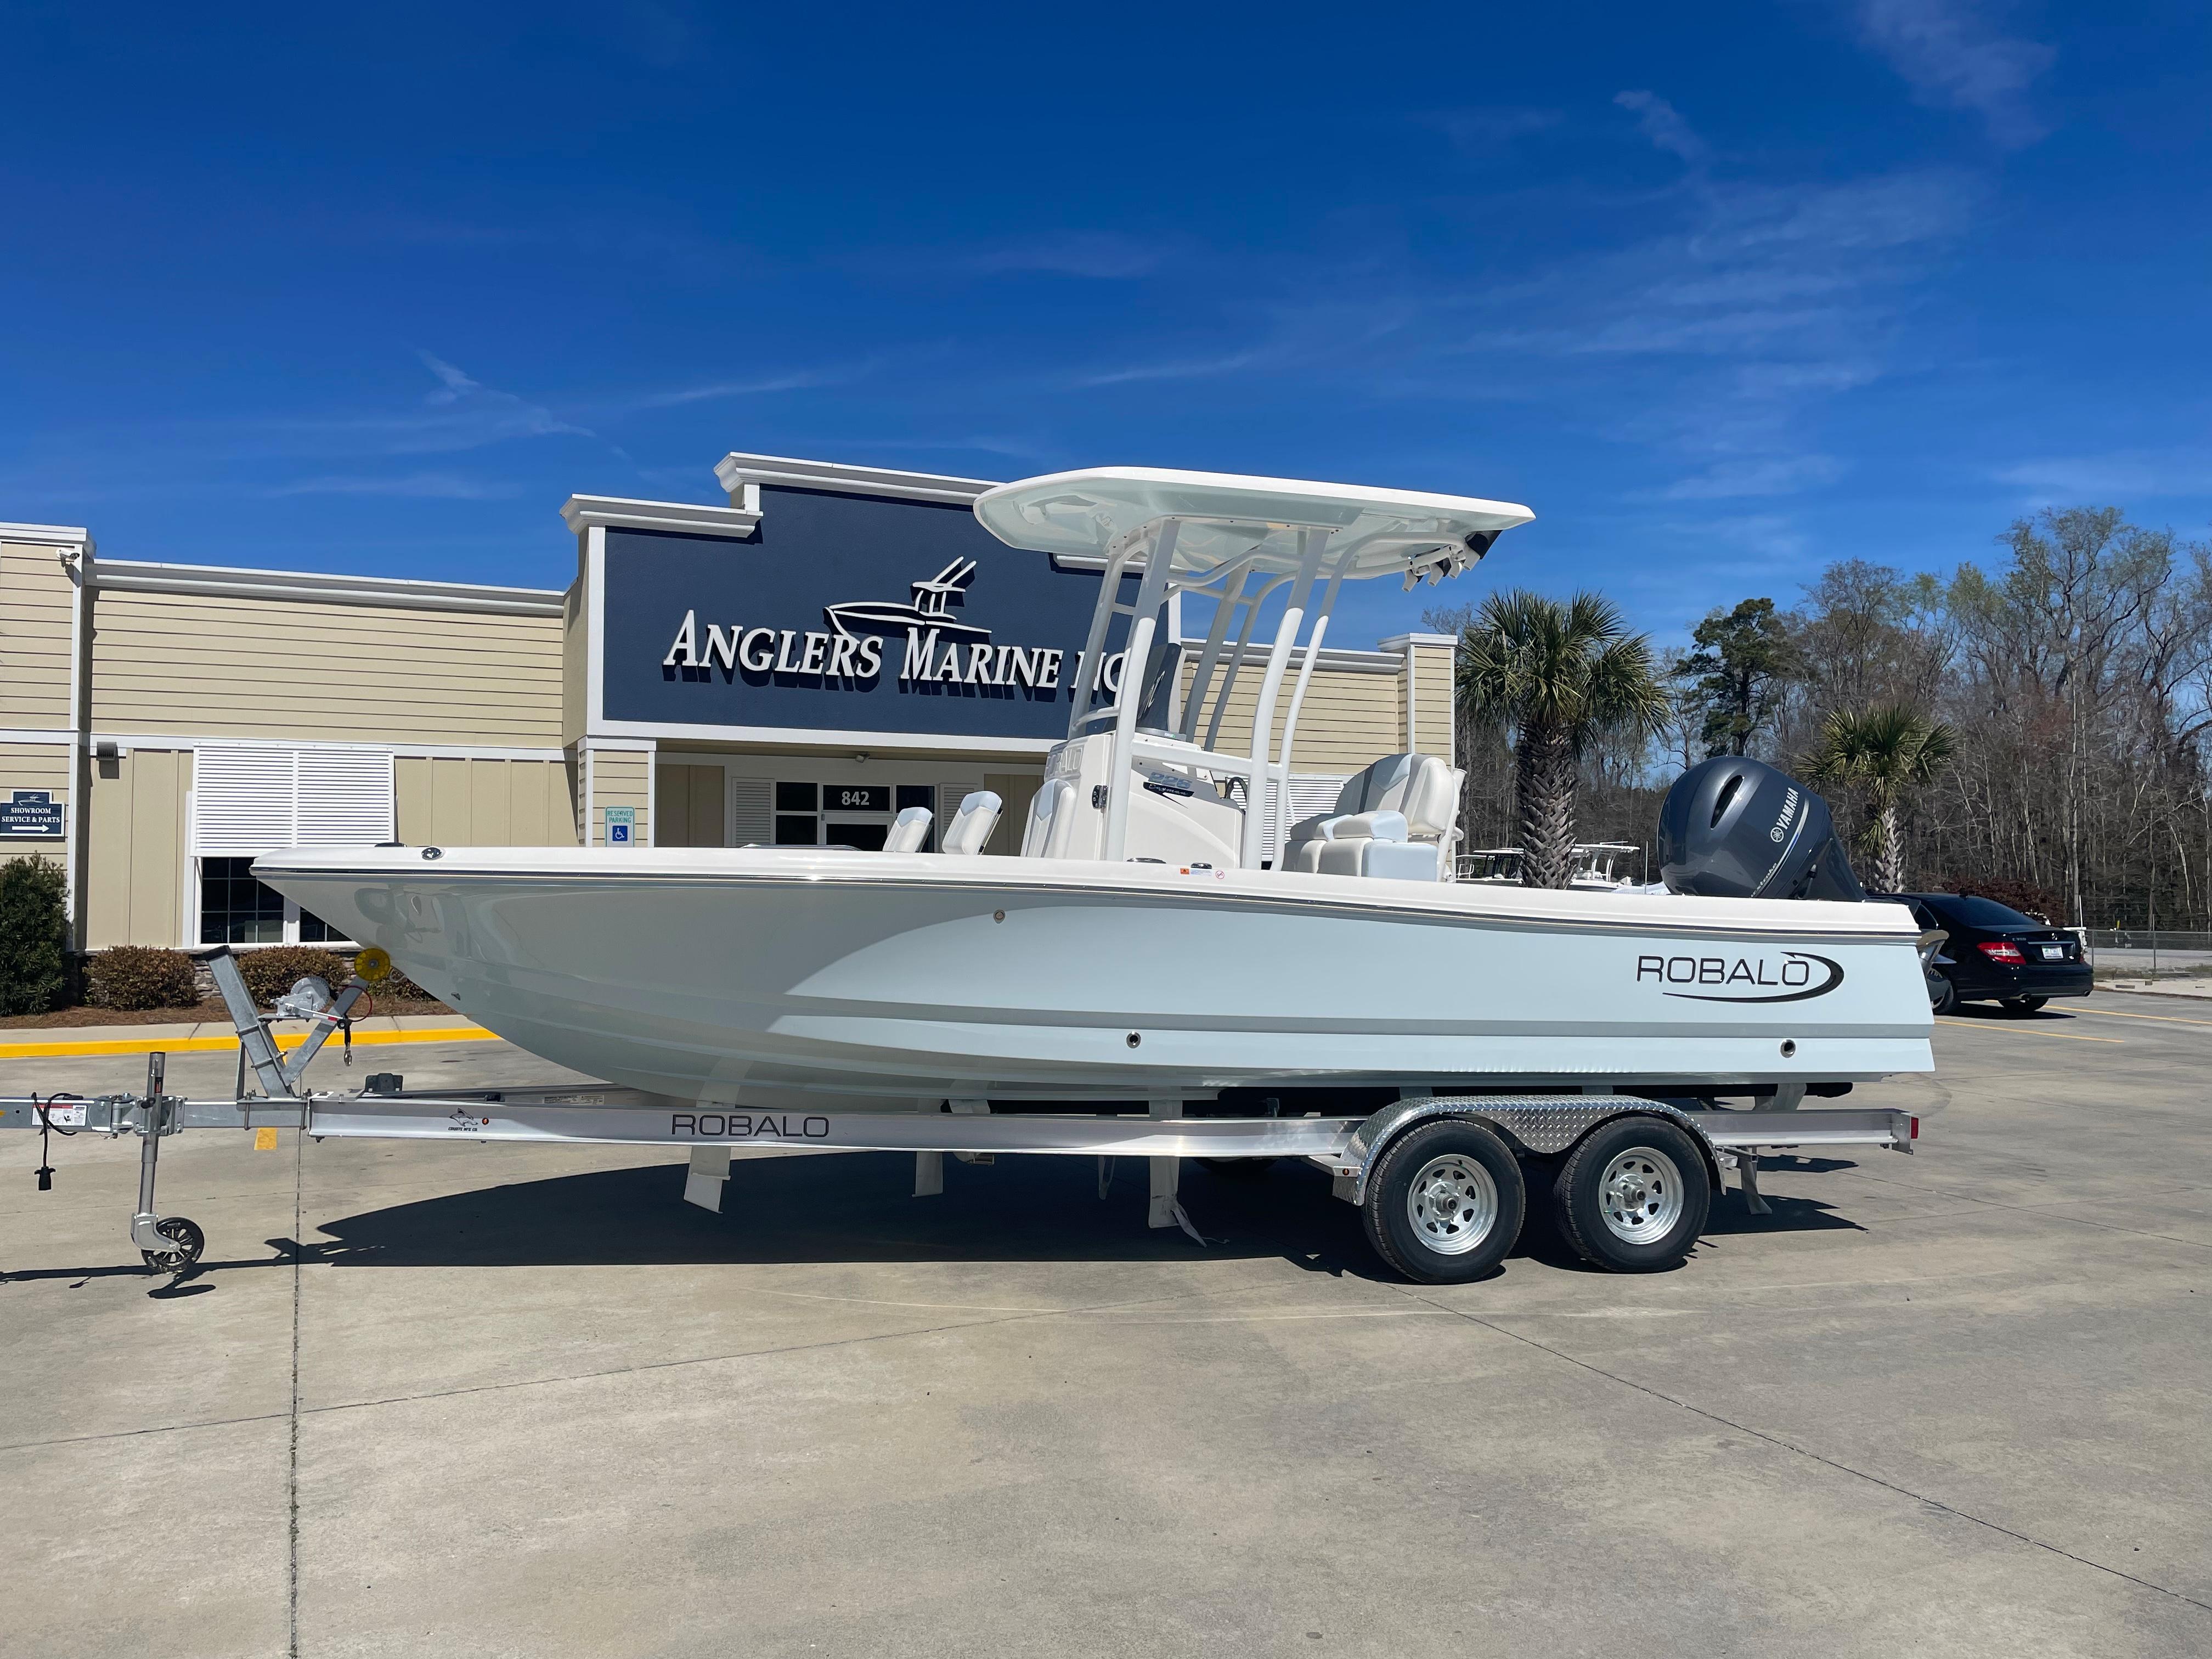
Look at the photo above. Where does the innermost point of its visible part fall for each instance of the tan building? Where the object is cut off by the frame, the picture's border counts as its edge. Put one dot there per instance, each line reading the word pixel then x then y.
pixel 835 644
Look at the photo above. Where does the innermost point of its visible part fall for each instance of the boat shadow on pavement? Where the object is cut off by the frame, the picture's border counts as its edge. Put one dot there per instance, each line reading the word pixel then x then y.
pixel 859 1207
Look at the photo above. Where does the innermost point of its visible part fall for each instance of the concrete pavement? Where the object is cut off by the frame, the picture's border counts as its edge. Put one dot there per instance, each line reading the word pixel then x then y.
pixel 458 1399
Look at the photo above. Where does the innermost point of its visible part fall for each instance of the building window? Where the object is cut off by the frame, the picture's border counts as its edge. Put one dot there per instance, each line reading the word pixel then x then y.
pixel 796 824
pixel 236 909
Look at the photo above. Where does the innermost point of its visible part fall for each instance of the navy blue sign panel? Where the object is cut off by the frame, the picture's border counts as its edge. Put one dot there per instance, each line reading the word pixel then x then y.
pixel 31 812
pixel 845 614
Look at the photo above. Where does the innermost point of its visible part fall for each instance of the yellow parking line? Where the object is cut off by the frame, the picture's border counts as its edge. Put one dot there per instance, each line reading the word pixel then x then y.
pixel 2011 1026
pixel 2170 1019
pixel 185 1045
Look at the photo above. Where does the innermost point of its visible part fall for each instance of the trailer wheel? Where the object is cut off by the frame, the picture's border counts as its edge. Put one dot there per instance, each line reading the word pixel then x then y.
pixel 1632 1197
pixel 1444 1203
pixel 188 1239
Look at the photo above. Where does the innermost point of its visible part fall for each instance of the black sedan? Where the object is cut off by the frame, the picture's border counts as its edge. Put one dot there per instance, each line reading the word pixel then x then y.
pixel 1995 954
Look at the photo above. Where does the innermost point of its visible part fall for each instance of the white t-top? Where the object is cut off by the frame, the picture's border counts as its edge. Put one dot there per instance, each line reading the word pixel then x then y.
pixel 1224 516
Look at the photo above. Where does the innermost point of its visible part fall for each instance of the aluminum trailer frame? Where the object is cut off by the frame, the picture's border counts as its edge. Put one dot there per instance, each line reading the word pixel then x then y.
pixel 1349 1148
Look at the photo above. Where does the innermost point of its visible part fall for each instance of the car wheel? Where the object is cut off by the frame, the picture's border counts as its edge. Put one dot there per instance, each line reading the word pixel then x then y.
pixel 2019 1006
pixel 1942 995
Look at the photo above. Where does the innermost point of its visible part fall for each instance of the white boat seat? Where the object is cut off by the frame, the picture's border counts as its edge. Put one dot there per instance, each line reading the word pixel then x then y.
pixel 1384 860
pixel 1420 792
pixel 972 824
pixel 1366 826
pixel 1052 821
pixel 908 830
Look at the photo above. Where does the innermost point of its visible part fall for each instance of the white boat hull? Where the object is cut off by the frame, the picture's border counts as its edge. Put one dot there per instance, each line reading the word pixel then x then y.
pixel 788 976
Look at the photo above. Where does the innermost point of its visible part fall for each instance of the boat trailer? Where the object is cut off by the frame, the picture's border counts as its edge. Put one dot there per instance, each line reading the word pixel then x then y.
pixel 1351 1149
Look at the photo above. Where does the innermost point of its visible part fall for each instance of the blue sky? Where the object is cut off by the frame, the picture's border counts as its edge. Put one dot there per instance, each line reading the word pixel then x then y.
pixel 1723 292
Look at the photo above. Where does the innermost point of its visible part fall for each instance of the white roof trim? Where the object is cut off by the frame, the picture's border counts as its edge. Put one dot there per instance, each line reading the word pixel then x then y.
pixel 737 469
pixel 1339 660
pixel 46 535
pixel 403 748
pixel 1399 642
pixel 134 576
pixel 949 744
pixel 583 512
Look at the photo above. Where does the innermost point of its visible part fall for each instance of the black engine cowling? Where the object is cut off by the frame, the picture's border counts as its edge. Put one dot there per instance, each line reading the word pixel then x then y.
pixel 1736 828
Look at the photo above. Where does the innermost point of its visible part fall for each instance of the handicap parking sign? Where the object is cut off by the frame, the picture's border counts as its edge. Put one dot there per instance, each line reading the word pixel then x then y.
pixel 621 824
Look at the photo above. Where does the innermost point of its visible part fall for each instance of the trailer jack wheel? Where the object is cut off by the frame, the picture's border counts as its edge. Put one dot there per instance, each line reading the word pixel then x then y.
pixel 189 1242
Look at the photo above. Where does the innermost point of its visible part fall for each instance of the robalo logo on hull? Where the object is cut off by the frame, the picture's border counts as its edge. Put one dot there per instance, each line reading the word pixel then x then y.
pixel 1794 977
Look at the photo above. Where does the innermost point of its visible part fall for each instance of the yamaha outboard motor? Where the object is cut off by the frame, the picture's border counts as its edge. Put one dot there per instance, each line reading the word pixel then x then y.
pixel 1733 827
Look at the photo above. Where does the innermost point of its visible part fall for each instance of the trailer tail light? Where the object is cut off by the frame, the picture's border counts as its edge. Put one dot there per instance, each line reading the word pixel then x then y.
pixel 1916 1129
pixel 2004 950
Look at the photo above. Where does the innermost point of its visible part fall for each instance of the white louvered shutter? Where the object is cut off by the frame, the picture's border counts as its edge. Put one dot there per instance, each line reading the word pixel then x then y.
pixel 251 798
pixel 242 800
pixel 344 798
pixel 752 815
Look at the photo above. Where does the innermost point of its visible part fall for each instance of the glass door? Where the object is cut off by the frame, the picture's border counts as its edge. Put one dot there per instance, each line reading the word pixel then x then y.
pixel 856 815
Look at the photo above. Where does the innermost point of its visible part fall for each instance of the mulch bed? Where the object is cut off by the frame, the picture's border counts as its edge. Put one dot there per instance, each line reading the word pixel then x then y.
pixel 210 1011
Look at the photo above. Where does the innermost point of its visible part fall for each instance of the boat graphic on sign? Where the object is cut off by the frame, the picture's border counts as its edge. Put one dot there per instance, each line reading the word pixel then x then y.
pixel 931 607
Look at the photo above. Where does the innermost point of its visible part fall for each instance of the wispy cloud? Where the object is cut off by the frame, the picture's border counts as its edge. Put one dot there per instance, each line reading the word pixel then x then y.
pixel 460 413
pixel 2117 475
pixel 1483 131
pixel 429 486
pixel 1766 475
pixel 1101 255
pixel 713 391
pixel 1955 55
pixel 1663 125
pixel 1176 368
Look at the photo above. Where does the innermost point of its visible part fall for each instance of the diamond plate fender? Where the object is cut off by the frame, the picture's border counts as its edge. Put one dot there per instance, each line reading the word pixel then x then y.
pixel 1540 1125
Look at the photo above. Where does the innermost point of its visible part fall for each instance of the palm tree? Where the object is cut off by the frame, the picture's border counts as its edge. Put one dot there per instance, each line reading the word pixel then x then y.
pixel 1554 678
pixel 1887 750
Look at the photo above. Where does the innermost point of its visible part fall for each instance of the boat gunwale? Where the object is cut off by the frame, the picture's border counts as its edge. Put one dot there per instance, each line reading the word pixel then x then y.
pixel 1243 896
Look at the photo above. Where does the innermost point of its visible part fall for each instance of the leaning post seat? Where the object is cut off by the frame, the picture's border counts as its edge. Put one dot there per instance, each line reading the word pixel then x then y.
pixel 1392 819
pixel 908 830
pixel 972 824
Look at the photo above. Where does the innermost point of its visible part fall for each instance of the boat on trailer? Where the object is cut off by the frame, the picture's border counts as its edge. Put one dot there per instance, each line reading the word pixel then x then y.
pixel 1168 969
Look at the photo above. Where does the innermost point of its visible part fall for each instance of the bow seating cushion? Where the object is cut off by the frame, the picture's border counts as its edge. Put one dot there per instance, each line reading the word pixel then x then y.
pixel 972 824
pixel 908 830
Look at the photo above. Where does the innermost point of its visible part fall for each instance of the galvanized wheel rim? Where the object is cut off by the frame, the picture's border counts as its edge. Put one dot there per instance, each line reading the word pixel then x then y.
pixel 1640 1195
pixel 1452 1204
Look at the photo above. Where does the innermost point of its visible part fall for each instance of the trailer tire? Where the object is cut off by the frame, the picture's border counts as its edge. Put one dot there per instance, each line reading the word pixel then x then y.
pixel 1444 1203
pixel 1632 1197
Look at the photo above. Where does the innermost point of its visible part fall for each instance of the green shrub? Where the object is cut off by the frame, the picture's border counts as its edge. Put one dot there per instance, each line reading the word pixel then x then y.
pixel 397 985
pixel 140 976
pixel 269 974
pixel 33 927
